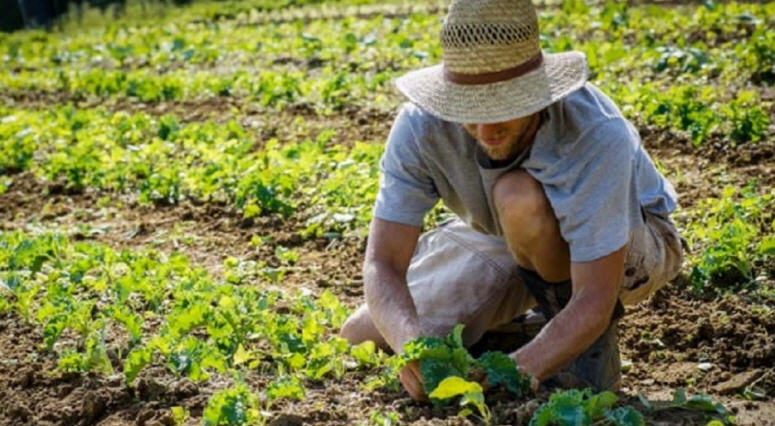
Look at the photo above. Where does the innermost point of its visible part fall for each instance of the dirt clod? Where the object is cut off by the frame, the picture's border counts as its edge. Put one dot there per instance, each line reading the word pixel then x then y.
pixel 287 419
pixel 737 382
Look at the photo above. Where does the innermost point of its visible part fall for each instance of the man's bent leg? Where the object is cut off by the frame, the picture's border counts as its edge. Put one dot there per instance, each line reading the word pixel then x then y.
pixel 359 328
pixel 654 257
pixel 530 226
pixel 457 275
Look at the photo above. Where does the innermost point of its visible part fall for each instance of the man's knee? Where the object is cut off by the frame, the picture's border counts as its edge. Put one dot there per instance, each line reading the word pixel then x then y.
pixel 520 201
pixel 353 328
pixel 359 328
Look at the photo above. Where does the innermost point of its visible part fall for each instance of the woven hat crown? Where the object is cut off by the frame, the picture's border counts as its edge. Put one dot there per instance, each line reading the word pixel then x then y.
pixel 485 36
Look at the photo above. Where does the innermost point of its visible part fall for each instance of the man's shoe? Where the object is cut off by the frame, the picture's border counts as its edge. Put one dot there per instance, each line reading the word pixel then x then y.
pixel 527 324
pixel 599 367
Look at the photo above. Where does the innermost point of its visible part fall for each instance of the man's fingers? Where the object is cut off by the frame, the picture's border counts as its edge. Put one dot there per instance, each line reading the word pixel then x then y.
pixel 411 385
pixel 411 388
pixel 411 378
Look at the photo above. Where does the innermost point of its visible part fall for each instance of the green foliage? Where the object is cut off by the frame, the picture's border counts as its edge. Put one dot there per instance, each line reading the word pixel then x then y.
pixel 500 369
pixel 759 55
pixel 729 232
pixel 446 367
pixel 378 418
pixel 137 359
pixel 470 393
pixel 688 60
pixel 233 406
pixel 365 353
pixel 164 162
pixel 285 387
pixel 698 402
pixel 749 122
pixel 583 407
pixel 180 415
pixel 440 358
pixel 350 61
pixel 206 326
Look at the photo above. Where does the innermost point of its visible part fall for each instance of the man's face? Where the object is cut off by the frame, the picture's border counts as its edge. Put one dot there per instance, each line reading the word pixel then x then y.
pixel 501 141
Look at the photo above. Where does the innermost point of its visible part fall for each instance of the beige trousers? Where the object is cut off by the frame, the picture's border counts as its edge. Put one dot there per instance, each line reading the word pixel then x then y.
pixel 458 275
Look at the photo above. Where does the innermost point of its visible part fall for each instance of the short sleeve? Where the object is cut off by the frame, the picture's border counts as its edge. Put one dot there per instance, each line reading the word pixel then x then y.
pixel 406 191
pixel 593 191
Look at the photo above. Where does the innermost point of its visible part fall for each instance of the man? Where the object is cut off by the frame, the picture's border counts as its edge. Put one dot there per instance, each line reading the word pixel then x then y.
pixel 558 204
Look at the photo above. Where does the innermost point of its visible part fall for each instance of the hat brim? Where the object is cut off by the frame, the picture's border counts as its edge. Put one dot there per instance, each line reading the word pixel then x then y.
pixel 558 75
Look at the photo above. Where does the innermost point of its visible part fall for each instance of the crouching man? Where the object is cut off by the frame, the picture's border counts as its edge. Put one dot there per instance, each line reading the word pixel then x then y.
pixel 558 204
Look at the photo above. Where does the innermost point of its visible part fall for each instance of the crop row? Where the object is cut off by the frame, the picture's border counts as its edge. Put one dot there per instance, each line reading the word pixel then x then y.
pixel 736 38
pixel 328 187
pixel 163 161
pixel 733 241
pixel 700 113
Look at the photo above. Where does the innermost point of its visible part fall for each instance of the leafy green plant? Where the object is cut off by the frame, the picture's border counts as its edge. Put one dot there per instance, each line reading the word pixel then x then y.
pixel 728 230
pixel 285 387
pixel 471 396
pixel 447 368
pixel 583 407
pixel 206 325
pixel 378 418
pixel 233 406
pixel 748 121
pixel 698 402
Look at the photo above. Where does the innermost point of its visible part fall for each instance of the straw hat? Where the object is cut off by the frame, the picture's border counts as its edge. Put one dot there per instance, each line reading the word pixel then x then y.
pixel 492 66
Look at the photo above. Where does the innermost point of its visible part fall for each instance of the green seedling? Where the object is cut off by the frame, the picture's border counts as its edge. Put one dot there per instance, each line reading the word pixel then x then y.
pixel 699 402
pixel 445 361
pixel 583 407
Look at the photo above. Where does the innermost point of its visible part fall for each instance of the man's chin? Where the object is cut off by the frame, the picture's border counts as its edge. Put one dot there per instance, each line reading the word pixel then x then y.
pixel 496 154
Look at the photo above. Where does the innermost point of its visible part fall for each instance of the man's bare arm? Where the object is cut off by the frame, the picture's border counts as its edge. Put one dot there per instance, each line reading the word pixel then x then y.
pixel 391 307
pixel 388 253
pixel 585 318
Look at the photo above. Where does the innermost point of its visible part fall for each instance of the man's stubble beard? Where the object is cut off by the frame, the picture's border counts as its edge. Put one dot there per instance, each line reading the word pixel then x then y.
pixel 500 152
pixel 512 148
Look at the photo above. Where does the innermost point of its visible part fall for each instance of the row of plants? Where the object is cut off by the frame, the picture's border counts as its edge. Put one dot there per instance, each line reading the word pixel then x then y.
pixel 725 26
pixel 374 45
pixel 268 88
pixel 330 186
pixel 736 234
pixel 699 113
pixel 150 308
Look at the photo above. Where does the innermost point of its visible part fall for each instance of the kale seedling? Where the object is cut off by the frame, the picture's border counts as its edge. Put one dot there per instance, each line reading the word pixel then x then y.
pixel 582 407
pixel 447 369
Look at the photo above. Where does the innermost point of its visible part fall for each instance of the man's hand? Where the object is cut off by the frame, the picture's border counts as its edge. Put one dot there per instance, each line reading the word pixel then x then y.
pixel 581 322
pixel 411 378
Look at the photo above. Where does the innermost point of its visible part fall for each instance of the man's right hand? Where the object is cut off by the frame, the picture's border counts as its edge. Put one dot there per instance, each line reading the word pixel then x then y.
pixel 411 378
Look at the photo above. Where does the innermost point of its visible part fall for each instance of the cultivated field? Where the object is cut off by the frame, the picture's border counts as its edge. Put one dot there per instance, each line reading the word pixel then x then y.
pixel 185 195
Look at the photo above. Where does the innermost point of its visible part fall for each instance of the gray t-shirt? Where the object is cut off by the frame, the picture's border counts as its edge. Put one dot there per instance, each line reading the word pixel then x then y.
pixel 587 156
